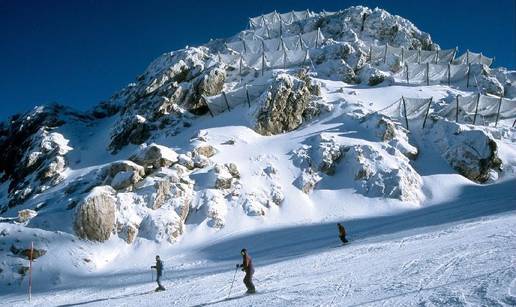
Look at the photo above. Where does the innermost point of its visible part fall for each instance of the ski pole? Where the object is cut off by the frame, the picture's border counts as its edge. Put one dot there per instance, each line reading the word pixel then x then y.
pixel 152 272
pixel 230 288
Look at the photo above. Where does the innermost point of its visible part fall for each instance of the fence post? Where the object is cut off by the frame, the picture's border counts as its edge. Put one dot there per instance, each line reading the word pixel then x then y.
pixel 30 269
pixel 226 100
pixel 467 56
pixel 263 61
pixel 402 54
pixel 419 56
pixel 457 112
pixel 300 42
pixel 284 59
pixel 207 105
pixel 280 27
pixel 268 32
pixel 467 80
pixel 247 96
pixel 406 66
pixel 454 54
pixel 498 112
pixel 385 54
pixel 370 54
pixel 476 109
pixel 405 112
pixel 427 111
pixel 240 65
pixel 427 73
pixel 317 38
pixel 243 43
pixel 449 73
pixel 436 56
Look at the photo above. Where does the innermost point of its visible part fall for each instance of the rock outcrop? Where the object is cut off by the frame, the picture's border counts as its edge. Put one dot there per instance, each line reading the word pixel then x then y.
pixel 280 109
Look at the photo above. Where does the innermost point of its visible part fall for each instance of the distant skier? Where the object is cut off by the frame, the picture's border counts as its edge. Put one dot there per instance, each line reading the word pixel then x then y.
pixel 159 273
pixel 247 266
pixel 342 233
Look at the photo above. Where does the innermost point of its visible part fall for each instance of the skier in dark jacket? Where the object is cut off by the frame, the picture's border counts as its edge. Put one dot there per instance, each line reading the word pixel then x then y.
pixel 342 233
pixel 159 271
pixel 248 268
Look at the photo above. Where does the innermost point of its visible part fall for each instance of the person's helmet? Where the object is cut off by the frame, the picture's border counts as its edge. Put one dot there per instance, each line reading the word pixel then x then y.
pixel 243 251
pixel 157 256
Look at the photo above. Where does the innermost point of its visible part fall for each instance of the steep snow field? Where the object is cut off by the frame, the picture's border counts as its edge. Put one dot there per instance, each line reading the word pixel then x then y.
pixel 460 252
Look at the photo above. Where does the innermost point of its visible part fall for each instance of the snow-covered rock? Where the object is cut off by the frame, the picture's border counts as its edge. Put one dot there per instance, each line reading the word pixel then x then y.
pixel 472 152
pixel 371 75
pixel 391 132
pixel 155 156
pixel 378 174
pixel 26 215
pixel 162 225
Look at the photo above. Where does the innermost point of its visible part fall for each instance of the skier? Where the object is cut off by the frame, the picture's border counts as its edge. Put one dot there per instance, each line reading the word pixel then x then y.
pixel 247 266
pixel 159 272
pixel 342 233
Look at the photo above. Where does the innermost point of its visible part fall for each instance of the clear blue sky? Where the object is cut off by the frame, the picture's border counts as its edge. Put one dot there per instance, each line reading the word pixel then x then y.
pixel 80 52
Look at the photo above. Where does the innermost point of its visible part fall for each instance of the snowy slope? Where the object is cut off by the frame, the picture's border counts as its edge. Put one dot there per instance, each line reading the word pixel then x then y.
pixel 430 211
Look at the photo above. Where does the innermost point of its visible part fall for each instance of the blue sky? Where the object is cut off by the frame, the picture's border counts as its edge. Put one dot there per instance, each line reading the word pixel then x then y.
pixel 80 52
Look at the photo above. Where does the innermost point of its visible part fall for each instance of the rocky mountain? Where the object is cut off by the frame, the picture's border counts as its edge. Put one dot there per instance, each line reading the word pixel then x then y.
pixel 205 138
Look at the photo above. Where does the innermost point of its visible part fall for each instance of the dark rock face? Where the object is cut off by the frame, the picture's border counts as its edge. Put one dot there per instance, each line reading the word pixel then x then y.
pixel 26 252
pixel 33 153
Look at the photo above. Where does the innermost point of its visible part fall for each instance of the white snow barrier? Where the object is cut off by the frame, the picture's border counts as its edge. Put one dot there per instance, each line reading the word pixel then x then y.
pixel 225 101
pixel 474 109
pixel 429 73
pixel 265 60
pixel 481 109
pixel 273 18
pixel 390 54
pixel 474 58
pixel 409 109
pixel 303 41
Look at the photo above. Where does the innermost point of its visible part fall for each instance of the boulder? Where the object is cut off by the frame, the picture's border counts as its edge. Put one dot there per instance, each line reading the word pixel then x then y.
pixel 125 179
pixel 205 150
pixel 95 215
pixel 155 156
pixel 26 215
pixel 113 168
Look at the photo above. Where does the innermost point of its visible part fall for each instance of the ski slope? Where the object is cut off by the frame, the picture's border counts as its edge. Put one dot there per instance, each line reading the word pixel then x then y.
pixel 458 252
